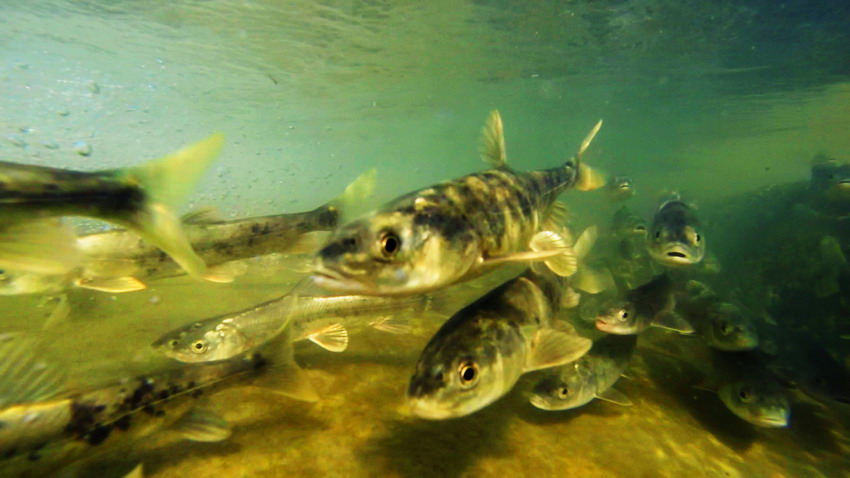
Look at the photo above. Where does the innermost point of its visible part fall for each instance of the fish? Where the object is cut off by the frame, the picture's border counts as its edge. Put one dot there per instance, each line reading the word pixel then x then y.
pixel 139 198
pixel 651 304
pixel 118 261
pixel 323 320
pixel 46 430
pixel 592 376
pixel 800 360
pixel 619 188
pixel 748 389
pixel 675 238
pixel 458 229
pixel 478 355
pixel 721 325
pixel 830 180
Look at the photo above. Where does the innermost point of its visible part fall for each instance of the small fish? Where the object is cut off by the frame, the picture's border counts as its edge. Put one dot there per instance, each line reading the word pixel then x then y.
pixel 118 261
pixel 652 303
pixel 478 355
pixel 619 188
pixel 674 239
pixel 720 324
pixel 457 229
pixel 45 430
pixel 748 390
pixel 139 198
pixel 324 320
pixel 592 376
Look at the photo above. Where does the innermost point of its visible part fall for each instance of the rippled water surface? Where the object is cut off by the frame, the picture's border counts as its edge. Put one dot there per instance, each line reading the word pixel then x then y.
pixel 715 99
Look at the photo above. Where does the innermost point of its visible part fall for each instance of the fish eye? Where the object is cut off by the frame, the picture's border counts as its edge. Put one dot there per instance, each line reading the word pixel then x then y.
pixel 563 392
pixel 199 346
pixel 745 396
pixel 725 328
pixel 173 343
pixel 658 234
pixel 390 243
pixel 468 372
pixel 624 314
pixel 697 238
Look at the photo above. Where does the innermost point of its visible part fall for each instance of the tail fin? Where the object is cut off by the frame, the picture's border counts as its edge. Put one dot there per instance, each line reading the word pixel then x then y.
pixel 588 179
pixel 166 183
pixel 355 193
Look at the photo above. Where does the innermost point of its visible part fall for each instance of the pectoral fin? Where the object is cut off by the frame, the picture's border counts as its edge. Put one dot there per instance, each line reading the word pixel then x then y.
pixel 674 322
pixel 613 396
pixel 392 325
pixel 115 285
pixel 593 281
pixel 565 262
pixel 225 273
pixel 202 426
pixel 284 376
pixel 333 338
pixel 550 348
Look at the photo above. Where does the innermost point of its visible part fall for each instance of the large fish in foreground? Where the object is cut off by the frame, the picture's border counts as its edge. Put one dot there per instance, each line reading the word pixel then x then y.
pixel 675 239
pixel 45 431
pixel 478 355
pixel 457 229
pixel 118 261
pixel 139 198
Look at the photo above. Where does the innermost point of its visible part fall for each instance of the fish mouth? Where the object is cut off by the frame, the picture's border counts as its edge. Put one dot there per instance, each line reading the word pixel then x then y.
pixel 773 422
pixel 542 404
pixel 425 409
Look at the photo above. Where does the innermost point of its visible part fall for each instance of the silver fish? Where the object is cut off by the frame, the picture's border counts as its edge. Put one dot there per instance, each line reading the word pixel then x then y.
pixel 721 325
pixel 139 198
pixel 324 320
pixel 457 229
pixel 44 433
pixel 748 390
pixel 652 303
pixel 592 376
pixel 478 355
pixel 619 188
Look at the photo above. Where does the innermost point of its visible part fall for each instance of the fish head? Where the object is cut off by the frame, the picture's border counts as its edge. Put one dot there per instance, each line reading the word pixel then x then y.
pixel 391 253
pixel 573 386
pixel 459 372
pixel 203 342
pixel 830 179
pixel 762 403
pixel 674 238
pixel 731 329
pixel 619 318
pixel 620 188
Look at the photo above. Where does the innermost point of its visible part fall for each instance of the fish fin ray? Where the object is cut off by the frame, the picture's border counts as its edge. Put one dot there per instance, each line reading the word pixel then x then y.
pixel 392 325
pixel 286 377
pixel 550 348
pixel 493 141
pixel 137 472
pixel 44 246
pixel 614 396
pixel 225 273
pixel 60 313
pixel 202 425
pixel 585 242
pixel 115 285
pixel 563 264
pixel 333 338
pixel 675 322
pixel 593 281
pixel 24 378
pixel 362 188
pixel 202 215
pixel 166 182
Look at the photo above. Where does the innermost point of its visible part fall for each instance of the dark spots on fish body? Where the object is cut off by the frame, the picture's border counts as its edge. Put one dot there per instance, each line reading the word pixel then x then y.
pixel 10 453
pixel 255 228
pixel 123 423
pixel 260 362
pixel 192 384
pixel 197 393
pixel 339 247
pixel 83 418
pixel 164 394
pixel 98 435
pixel 159 413
pixel 149 409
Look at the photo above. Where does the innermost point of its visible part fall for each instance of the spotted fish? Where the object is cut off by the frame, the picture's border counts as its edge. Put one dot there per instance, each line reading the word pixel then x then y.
pixel 457 229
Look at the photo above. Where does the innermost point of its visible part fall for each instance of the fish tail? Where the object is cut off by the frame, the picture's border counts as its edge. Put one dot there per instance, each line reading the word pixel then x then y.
pixel 588 178
pixel 346 204
pixel 166 182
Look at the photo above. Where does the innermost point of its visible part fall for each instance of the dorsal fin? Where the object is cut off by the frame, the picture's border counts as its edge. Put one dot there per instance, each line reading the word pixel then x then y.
pixel 493 141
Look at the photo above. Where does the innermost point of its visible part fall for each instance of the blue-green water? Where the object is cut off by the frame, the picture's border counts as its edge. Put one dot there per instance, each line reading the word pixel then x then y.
pixel 714 99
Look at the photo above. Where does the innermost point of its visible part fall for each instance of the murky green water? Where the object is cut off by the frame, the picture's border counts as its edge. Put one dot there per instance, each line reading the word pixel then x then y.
pixel 714 99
